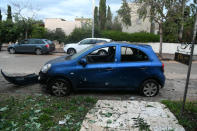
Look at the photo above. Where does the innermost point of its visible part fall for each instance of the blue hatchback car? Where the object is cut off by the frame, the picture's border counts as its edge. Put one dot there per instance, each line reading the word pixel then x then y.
pixel 124 67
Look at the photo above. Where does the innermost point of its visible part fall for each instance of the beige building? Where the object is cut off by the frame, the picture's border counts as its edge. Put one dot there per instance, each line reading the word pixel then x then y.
pixel 138 25
pixel 66 26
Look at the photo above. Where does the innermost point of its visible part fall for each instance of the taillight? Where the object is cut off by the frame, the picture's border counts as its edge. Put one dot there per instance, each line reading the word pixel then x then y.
pixel 47 45
pixel 163 67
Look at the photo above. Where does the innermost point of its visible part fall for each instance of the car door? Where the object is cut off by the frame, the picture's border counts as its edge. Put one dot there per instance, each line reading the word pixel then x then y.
pixel 133 67
pixel 100 72
pixel 22 46
pixel 32 45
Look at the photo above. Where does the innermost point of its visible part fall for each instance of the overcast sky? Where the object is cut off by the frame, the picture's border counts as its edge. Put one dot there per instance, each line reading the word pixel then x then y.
pixel 66 9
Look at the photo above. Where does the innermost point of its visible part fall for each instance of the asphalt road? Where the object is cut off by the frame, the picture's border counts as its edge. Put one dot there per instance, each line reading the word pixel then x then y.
pixel 29 63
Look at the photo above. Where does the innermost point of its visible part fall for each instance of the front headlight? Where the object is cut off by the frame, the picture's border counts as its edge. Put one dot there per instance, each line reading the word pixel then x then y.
pixel 45 68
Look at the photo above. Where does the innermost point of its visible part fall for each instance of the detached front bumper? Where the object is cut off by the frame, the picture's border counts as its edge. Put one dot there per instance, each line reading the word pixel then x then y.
pixel 21 80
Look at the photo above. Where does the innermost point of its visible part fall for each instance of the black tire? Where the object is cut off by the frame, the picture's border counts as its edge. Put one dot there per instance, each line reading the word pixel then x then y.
pixel 102 52
pixel 149 88
pixel 12 51
pixel 38 52
pixel 71 51
pixel 60 87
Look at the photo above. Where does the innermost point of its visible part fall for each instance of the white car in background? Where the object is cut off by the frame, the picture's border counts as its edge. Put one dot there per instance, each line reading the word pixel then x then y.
pixel 76 47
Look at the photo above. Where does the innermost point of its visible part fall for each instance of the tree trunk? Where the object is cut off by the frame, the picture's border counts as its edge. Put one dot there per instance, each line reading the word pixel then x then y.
pixel 182 22
pixel 161 39
pixel 26 35
pixel 195 28
pixel 152 27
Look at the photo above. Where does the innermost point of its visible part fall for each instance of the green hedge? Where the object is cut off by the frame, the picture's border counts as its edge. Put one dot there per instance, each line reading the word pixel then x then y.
pixel 133 37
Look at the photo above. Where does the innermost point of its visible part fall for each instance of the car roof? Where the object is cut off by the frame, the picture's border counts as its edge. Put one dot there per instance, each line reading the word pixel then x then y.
pixel 36 39
pixel 125 44
pixel 145 48
pixel 100 39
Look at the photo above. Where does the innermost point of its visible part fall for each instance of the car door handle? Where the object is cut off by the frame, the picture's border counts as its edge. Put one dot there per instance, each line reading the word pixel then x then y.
pixel 143 68
pixel 109 69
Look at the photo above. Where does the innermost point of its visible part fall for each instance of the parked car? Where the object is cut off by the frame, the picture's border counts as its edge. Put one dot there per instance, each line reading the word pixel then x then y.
pixel 37 46
pixel 77 47
pixel 125 67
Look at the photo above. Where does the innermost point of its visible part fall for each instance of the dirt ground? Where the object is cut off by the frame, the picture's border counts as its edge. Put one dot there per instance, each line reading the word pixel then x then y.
pixel 173 90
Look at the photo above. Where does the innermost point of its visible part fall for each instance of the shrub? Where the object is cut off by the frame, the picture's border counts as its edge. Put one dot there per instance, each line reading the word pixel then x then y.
pixel 81 33
pixel 131 37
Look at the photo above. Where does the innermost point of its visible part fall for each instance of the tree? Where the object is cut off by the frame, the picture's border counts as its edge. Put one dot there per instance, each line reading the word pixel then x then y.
pixel 8 32
pixel 124 13
pixel 38 31
pixel 109 18
pixel 152 27
pixel 116 25
pixel 0 16
pixel 159 13
pixel 102 14
pixel 96 17
pixel 182 21
pixel 9 13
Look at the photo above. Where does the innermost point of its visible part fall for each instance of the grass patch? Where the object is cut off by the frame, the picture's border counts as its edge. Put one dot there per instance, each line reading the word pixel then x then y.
pixel 189 119
pixel 43 112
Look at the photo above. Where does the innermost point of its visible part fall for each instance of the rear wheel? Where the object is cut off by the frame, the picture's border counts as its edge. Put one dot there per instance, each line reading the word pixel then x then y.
pixel 12 51
pixel 150 88
pixel 60 87
pixel 38 52
pixel 71 51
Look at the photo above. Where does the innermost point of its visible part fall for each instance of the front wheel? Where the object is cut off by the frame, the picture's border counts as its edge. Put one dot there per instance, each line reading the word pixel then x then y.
pixel 12 51
pixel 60 87
pixel 150 88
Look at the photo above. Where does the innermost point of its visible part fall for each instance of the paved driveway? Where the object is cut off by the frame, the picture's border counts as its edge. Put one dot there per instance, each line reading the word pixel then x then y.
pixel 23 63
pixel 130 116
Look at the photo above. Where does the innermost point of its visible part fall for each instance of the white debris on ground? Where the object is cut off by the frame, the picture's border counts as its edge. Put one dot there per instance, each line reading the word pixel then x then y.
pixel 113 115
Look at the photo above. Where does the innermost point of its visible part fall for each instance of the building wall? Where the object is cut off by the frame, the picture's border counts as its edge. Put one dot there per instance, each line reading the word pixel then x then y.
pixel 57 23
pixel 138 25
pixel 168 48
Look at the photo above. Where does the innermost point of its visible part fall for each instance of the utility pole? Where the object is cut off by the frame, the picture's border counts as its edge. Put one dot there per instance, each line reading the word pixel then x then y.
pixel 190 65
pixel 93 7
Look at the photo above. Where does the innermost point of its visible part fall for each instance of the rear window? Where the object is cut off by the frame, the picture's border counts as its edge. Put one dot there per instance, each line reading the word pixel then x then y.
pixel 39 42
pixel 129 54
pixel 48 41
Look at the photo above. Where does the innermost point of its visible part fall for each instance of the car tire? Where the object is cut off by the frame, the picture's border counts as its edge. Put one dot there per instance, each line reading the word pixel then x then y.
pixel 149 88
pixel 60 87
pixel 102 52
pixel 12 51
pixel 38 52
pixel 71 51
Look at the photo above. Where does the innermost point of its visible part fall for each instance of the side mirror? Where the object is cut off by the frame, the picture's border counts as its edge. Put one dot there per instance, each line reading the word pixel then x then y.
pixel 83 62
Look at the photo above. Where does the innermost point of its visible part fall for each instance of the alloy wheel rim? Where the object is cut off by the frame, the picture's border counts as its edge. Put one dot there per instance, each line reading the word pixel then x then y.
pixel 150 89
pixel 71 52
pixel 12 51
pixel 59 88
pixel 38 52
